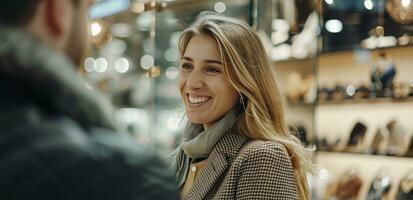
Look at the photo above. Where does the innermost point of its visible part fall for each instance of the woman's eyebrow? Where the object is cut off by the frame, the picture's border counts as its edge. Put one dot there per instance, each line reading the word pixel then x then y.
pixel 206 61
pixel 213 61
pixel 188 58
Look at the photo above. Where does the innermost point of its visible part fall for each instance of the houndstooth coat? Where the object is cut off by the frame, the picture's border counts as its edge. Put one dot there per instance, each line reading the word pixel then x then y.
pixel 262 170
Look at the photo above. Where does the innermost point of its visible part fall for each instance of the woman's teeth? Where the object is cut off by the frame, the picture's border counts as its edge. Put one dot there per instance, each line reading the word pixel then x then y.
pixel 198 100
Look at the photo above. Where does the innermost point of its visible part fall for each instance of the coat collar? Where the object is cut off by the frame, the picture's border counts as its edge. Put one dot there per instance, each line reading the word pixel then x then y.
pixel 221 157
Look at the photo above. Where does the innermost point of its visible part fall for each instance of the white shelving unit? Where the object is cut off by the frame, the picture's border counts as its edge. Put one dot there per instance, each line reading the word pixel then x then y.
pixel 335 119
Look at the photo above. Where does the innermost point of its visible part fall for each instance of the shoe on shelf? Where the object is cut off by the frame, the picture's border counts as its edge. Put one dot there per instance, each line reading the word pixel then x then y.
pixel 396 143
pixel 378 145
pixel 380 186
pixel 405 190
pixel 349 185
pixel 356 139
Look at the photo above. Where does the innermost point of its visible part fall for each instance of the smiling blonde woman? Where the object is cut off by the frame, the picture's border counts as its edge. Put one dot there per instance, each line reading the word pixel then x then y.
pixel 236 145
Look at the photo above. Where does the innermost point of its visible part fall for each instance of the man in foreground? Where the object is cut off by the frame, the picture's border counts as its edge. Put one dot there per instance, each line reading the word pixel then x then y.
pixel 56 135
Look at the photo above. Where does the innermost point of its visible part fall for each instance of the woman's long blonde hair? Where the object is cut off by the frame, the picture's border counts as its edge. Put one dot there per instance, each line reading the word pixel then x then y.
pixel 248 69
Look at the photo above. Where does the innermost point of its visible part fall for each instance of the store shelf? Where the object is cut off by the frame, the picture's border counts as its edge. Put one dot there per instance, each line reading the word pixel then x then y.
pixel 351 51
pixel 290 104
pixel 308 59
pixel 379 156
pixel 367 101
pixel 367 166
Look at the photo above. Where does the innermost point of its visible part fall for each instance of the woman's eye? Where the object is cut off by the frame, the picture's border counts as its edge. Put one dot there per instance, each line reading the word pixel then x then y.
pixel 213 70
pixel 186 66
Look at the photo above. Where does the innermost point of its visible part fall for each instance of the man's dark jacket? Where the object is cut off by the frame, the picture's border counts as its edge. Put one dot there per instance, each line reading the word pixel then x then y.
pixel 56 134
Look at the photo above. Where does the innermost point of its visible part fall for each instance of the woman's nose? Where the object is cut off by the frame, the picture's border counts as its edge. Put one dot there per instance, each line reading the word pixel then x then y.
pixel 195 80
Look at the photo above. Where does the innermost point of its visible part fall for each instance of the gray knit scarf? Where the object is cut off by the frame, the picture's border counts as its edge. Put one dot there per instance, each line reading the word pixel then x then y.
pixel 197 143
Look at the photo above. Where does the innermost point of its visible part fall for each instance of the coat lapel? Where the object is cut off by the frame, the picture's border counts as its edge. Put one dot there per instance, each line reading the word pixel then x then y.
pixel 216 164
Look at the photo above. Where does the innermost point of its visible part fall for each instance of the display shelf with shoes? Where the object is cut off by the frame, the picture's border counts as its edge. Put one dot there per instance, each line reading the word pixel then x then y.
pixel 336 114
pixel 361 124
pixel 355 104
pixel 386 130
pixel 349 121
pixel 364 104
pixel 296 80
pixel 365 76
pixel 380 176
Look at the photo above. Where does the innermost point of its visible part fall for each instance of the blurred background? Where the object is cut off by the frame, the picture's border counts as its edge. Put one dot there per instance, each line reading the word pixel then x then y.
pixel 345 67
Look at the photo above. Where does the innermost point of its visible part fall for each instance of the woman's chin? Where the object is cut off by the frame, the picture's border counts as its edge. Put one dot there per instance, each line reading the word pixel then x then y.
pixel 195 120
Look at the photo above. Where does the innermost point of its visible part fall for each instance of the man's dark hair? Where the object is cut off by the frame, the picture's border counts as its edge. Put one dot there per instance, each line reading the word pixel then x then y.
pixel 18 12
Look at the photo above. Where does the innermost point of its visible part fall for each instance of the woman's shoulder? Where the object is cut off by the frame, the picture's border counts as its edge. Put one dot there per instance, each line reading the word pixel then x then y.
pixel 265 166
pixel 272 151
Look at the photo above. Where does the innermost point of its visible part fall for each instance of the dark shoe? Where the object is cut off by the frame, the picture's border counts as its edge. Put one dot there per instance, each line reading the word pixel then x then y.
pixel 356 139
pixel 324 94
pixel 380 186
pixel 324 145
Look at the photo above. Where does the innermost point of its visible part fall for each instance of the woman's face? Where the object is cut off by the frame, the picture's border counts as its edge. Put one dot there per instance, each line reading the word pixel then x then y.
pixel 206 93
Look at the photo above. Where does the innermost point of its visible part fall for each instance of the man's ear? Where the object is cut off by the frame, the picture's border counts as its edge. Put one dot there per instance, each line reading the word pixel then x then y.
pixel 55 17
